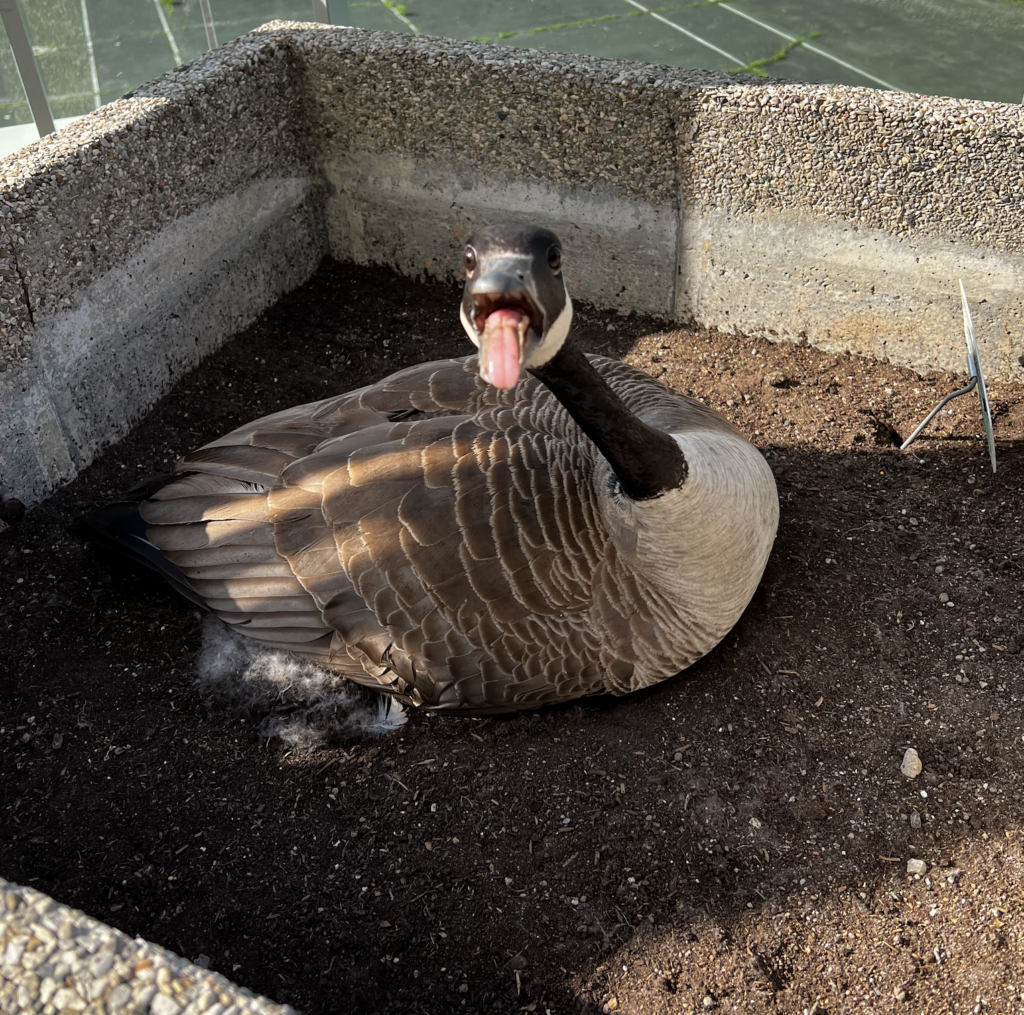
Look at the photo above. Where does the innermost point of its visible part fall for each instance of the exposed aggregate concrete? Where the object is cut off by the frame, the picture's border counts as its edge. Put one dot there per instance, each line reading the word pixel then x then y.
pixel 907 164
pixel 58 960
pixel 74 204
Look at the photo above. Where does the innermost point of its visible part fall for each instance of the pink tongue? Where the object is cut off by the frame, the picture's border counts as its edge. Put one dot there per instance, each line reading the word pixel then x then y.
pixel 502 348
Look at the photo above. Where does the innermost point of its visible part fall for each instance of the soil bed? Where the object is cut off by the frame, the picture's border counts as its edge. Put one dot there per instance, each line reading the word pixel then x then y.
pixel 735 839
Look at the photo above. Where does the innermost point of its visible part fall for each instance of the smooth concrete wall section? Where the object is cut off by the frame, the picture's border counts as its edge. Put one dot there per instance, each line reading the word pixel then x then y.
pixel 414 216
pixel 136 241
pixel 862 290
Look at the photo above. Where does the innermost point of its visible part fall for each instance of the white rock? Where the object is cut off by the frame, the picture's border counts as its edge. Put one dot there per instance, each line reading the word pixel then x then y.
pixel 164 1005
pixel 15 949
pixel 144 995
pixel 99 965
pixel 916 866
pixel 911 766
pixel 46 990
pixel 66 998
pixel 119 997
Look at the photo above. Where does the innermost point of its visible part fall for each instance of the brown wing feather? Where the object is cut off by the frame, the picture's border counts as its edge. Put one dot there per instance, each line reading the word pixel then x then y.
pixel 457 559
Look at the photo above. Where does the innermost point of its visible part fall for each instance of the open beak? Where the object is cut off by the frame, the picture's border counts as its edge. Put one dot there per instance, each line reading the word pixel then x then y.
pixel 506 320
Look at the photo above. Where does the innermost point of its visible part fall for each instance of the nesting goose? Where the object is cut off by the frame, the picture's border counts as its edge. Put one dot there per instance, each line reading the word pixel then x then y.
pixel 498 532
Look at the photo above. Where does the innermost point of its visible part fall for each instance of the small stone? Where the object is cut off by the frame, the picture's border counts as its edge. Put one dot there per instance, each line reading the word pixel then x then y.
pixel 66 998
pixel 202 961
pixel 916 866
pixel 911 766
pixel 15 949
pixel 943 597
pixel 145 995
pixel 119 997
pixel 915 820
pixel 777 379
pixel 164 1005
pixel 99 965
pixel 46 990
pixel 709 1002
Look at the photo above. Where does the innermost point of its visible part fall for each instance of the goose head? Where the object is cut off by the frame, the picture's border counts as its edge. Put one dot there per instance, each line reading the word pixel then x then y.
pixel 515 307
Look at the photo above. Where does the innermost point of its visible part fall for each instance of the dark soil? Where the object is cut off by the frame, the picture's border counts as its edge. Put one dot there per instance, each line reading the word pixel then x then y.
pixel 735 838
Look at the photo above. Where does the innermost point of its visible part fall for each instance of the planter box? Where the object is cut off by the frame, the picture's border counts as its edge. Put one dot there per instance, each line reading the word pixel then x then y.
pixel 139 238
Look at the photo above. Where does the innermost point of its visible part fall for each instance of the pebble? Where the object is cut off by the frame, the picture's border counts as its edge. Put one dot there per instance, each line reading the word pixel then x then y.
pixel 709 1002
pixel 911 766
pixel 164 1005
pixel 119 997
pixel 915 820
pixel 101 964
pixel 916 866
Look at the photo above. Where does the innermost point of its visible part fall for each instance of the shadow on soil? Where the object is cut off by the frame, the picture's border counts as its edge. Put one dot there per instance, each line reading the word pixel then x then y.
pixel 735 837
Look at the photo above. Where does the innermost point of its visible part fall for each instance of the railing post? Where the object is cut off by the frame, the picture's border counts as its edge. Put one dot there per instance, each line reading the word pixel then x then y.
pixel 14 24
pixel 321 12
pixel 211 35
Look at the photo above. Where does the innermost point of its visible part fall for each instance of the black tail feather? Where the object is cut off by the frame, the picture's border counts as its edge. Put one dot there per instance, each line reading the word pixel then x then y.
pixel 119 528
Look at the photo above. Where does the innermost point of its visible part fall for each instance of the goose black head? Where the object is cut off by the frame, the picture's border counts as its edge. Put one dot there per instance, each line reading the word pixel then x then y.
pixel 515 307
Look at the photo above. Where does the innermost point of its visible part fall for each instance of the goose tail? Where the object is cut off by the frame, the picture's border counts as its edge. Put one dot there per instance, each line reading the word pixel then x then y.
pixel 119 529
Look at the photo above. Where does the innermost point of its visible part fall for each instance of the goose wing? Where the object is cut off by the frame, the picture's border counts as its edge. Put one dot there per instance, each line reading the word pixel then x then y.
pixel 422 534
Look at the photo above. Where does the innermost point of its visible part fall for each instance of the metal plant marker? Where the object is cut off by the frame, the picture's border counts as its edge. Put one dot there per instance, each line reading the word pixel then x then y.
pixel 977 376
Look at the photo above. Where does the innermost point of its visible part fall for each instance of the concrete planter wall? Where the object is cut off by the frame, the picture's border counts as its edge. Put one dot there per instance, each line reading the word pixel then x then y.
pixel 139 238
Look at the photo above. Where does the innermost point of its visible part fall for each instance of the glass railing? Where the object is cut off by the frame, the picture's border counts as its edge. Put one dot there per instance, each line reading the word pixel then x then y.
pixel 91 51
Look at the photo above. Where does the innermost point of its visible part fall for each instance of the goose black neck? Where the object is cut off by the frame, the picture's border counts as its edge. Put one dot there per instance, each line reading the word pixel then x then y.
pixel 646 461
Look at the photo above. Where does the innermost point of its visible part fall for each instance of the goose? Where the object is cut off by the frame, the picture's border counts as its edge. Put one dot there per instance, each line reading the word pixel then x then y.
pixel 523 526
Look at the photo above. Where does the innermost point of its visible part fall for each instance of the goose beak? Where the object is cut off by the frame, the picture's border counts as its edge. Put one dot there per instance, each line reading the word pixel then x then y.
pixel 506 322
pixel 503 347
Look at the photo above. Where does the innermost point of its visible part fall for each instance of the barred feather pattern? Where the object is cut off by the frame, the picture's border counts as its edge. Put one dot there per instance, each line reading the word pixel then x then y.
pixel 465 548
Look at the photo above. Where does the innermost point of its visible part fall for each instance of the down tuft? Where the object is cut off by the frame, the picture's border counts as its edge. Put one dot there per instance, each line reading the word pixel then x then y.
pixel 303 704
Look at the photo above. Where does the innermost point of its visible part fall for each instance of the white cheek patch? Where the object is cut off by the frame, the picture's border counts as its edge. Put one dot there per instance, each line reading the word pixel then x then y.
pixel 555 337
pixel 467 324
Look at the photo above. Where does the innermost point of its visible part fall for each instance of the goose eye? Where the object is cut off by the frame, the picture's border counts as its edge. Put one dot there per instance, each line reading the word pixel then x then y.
pixel 554 258
pixel 469 259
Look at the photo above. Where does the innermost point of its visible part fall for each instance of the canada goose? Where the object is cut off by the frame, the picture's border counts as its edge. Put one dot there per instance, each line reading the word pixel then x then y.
pixel 485 534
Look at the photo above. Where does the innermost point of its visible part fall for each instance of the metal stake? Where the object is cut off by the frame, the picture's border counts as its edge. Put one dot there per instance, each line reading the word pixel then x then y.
pixel 14 24
pixel 977 381
pixel 321 12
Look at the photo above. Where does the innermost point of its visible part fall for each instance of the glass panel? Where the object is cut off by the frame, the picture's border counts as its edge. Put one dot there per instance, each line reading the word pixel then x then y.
pixel 91 51
pixel 13 104
pixel 963 48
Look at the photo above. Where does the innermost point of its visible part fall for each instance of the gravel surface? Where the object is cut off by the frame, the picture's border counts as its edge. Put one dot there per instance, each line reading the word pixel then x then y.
pixel 57 960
